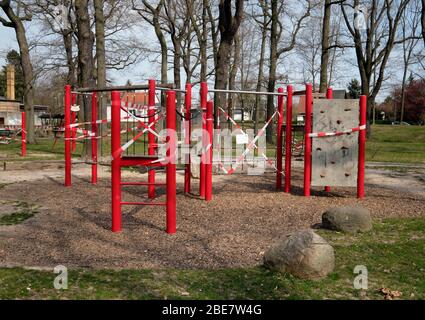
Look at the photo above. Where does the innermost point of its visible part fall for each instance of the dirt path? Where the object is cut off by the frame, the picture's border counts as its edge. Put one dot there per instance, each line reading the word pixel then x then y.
pixel 72 226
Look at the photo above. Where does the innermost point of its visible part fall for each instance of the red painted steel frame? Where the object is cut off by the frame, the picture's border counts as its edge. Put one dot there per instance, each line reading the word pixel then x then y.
pixel 329 96
pixel 73 120
pixel 151 137
pixel 171 158
pixel 23 135
pixel 307 139
pixel 115 163
pixel 204 94
pixel 188 132
pixel 67 135
pixel 288 139
pixel 362 149
pixel 94 138
pixel 209 152
pixel 279 151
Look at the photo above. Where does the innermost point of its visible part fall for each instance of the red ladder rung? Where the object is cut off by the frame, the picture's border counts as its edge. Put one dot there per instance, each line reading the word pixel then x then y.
pixel 144 203
pixel 142 184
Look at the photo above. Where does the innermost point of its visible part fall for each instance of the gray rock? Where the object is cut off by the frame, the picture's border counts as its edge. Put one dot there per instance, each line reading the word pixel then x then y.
pixel 347 219
pixel 303 254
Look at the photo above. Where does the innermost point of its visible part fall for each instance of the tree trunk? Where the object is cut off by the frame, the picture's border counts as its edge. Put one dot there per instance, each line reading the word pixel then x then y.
pixel 27 69
pixel 423 20
pixel 67 41
pixel 260 78
pixel 176 68
pixel 85 61
pixel 100 61
pixel 325 46
pixel 232 76
pixel 272 69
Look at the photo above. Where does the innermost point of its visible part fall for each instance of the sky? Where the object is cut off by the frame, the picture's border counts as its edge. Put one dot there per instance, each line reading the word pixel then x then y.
pixel 149 68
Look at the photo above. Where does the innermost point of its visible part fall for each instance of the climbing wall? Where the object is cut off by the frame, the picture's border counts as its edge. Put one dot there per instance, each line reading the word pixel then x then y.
pixel 334 158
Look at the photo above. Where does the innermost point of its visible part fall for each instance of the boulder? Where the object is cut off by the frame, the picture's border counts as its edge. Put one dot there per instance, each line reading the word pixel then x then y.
pixel 347 219
pixel 303 254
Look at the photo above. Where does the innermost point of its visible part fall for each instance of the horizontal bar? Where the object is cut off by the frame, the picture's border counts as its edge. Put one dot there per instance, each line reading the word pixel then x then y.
pixel 142 184
pixel 299 93
pixel 164 86
pixel 165 89
pixel 144 203
pixel 248 92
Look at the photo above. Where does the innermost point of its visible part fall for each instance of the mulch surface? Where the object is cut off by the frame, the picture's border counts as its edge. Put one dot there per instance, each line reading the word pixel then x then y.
pixel 233 230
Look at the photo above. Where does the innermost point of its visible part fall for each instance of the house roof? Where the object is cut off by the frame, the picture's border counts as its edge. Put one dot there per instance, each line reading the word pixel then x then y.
pixel 139 98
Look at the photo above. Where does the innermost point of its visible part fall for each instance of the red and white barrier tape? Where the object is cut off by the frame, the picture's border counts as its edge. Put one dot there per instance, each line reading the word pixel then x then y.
pixel 339 133
pixel 142 123
pixel 117 153
pixel 251 144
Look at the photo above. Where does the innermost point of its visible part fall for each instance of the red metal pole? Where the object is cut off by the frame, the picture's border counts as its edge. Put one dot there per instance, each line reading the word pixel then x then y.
pixel 288 140
pixel 116 162
pixel 67 135
pixel 329 96
pixel 171 165
pixel 362 149
pixel 307 139
pixel 279 152
pixel 151 137
pixel 23 135
pixel 204 95
pixel 209 151
pixel 94 138
pixel 73 120
pixel 188 132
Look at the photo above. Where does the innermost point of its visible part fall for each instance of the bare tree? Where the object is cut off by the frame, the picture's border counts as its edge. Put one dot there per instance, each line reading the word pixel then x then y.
pixel 151 14
pixel 177 20
pixel 325 45
pixel 263 22
pixel 373 40
pixel 277 28
pixel 409 28
pixel 228 25
pixel 16 21
pixel 235 65
pixel 423 20
pixel 200 27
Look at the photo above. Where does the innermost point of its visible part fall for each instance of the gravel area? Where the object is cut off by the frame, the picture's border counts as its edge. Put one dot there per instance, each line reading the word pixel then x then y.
pixel 72 227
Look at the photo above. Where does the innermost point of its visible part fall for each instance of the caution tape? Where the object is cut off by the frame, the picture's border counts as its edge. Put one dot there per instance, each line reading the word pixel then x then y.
pixel 338 133
pixel 251 144
pixel 142 123
pixel 117 153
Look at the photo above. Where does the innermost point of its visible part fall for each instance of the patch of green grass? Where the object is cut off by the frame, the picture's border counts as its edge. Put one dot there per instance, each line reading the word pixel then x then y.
pixel 396 144
pixel 394 254
pixel 25 213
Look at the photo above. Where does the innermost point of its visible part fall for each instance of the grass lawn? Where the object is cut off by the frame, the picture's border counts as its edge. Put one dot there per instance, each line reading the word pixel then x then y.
pixel 396 144
pixel 394 253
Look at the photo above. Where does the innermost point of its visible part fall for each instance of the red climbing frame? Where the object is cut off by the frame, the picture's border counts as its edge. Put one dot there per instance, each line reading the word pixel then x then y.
pixel 188 132
pixel 203 96
pixel 279 150
pixel 209 125
pixel 149 161
pixel 23 135
pixel 288 139
pixel 67 135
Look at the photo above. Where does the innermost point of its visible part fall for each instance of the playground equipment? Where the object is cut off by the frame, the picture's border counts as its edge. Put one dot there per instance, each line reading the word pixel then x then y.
pixel 324 165
pixel 335 140
pixel 141 125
